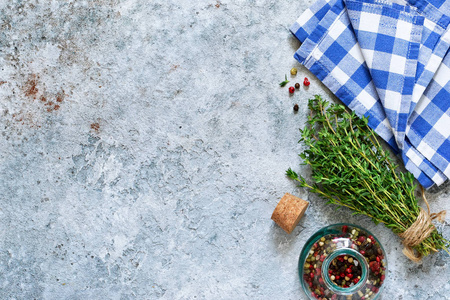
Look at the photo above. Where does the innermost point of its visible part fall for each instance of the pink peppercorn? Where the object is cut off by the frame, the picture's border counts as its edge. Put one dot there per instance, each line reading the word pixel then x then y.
pixel 291 90
pixel 307 83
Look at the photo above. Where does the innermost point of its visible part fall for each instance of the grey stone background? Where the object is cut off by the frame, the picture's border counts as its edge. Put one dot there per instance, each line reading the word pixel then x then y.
pixel 143 148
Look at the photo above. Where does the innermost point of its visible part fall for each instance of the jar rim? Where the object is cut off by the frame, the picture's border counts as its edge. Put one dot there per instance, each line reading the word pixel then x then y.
pixel 364 271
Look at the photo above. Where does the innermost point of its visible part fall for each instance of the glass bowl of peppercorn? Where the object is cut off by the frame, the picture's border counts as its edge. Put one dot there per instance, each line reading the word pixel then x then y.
pixel 342 262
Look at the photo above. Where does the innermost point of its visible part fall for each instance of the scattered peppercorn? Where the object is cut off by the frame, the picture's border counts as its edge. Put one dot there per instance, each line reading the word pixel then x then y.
pixel 293 71
pixel 291 90
pixel 297 85
pixel 296 109
pixel 306 82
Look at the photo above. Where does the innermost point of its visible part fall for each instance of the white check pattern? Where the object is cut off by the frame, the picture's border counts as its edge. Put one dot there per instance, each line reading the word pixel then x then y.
pixel 391 63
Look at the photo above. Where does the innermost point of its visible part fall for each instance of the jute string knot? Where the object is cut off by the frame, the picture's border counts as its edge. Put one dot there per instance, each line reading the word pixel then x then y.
pixel 420 230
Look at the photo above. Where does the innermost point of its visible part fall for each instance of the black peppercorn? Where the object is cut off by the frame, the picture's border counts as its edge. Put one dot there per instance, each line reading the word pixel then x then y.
pixel 296 107
pixel 297 85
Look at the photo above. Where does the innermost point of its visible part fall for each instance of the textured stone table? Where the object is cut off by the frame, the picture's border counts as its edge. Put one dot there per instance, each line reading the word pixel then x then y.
pixel 143 149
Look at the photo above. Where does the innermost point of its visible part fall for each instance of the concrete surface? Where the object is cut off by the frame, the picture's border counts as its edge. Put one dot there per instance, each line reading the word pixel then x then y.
pixel 143 149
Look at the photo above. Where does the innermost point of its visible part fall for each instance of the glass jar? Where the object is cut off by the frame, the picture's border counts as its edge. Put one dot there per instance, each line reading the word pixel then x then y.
pixel 342 262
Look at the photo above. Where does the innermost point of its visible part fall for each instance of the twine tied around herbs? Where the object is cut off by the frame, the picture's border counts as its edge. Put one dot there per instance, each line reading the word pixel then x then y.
pixel 420 230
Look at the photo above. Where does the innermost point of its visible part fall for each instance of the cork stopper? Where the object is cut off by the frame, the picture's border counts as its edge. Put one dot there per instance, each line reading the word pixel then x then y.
pixel 289 211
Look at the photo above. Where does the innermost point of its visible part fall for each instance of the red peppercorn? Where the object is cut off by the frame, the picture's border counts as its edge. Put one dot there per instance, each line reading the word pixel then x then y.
pixel 361 239
pixel 382 278
pixel 362 252
pixel 355 280
pixel 307 83
pixel 311 267
pixel 310 284
pixel 374 266
pixel 342 275
pixel 350 276
pixel 345 227
pixel 330 271
pixel 378 259
pixel 311 275
pixel 321 280
pixel 337 277
pixel 349 270
pixel 291 90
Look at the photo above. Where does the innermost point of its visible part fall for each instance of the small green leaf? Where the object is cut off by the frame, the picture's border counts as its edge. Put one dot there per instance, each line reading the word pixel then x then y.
pixel 286 81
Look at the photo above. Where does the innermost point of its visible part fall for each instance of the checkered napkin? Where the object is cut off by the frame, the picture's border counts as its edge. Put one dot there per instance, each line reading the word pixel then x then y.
pixel 389 62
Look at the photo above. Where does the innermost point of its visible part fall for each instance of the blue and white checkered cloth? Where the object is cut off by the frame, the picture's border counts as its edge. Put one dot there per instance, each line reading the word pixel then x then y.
pixel 389 62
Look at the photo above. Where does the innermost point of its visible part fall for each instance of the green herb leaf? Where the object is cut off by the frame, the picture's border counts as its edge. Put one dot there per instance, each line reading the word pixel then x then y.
pixel 286 81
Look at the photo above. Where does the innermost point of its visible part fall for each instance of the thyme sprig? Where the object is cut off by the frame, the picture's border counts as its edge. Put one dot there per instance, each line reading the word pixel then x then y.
pixel 351 169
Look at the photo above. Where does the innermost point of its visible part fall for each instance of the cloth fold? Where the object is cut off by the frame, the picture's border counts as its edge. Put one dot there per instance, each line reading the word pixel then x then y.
pixel 389 62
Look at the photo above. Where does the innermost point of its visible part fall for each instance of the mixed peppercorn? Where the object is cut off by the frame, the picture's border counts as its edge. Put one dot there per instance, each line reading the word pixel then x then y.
pixel 345 271
pixel 296 86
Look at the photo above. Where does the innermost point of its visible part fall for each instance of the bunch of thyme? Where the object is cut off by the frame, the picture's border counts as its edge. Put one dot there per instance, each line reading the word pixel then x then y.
pixel 351 169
